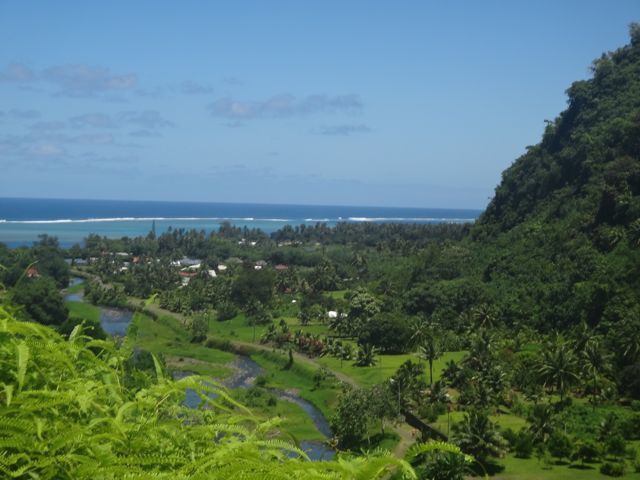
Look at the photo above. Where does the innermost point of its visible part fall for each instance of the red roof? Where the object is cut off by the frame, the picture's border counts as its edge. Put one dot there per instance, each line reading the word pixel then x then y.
pixel 188 274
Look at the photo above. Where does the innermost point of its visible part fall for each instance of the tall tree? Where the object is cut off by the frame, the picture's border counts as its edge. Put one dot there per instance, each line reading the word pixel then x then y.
pixel 430 350
pixel 480 437
pixel 558 366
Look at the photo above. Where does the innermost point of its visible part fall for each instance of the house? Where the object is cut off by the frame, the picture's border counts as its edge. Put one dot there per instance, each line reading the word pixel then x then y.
pixel 212 273
pixel 185 262
pixel 281 267
pixel 260 264
pixel 222 268
pixel 186 277
pixel 332 314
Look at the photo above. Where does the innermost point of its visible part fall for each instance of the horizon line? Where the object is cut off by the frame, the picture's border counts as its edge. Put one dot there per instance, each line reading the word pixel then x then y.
pixel 240 203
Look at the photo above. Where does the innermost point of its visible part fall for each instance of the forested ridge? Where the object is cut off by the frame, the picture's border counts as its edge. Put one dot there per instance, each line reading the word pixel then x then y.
pixel 559 242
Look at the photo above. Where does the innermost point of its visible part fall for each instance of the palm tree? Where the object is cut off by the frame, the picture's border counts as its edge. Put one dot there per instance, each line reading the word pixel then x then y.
pixel 629 341
pixel 558 366
pixel 541 422
pixel 594 362
pixel 366 355
pixel 419 327
pixel 346 352
pixel 430 351
pixel 479 437
pixel 485 316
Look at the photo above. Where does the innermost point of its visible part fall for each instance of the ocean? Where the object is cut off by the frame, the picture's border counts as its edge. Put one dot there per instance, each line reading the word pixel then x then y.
pixel 23 219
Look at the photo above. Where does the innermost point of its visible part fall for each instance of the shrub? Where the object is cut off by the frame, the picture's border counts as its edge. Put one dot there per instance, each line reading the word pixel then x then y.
pixel 612 469
pixel 523 447
pixel 616 445
pixel 226 311
pixel 559 445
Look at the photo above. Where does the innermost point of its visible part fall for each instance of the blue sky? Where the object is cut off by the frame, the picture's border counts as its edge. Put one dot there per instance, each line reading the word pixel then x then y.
pixel 355 103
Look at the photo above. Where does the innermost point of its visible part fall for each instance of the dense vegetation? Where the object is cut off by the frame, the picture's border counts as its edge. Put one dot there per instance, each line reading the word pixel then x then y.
pixel 535 308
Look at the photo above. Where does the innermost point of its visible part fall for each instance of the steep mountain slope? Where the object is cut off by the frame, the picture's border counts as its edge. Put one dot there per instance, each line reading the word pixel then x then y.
pixel 559 241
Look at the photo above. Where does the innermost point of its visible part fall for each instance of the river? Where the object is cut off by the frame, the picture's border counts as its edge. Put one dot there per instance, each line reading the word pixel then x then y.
pixel 115 322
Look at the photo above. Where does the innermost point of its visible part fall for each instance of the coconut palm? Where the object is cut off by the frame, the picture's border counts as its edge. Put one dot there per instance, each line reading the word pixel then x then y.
pixel 594 363
pixel 485 316
pixel 541 422
pixel 366 355
pixel 346 352
pixel 629 341
pixel 558 367
pixel 479 437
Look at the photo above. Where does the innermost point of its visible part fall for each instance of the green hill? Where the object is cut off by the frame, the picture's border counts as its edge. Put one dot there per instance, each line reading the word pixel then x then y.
pixel 559 242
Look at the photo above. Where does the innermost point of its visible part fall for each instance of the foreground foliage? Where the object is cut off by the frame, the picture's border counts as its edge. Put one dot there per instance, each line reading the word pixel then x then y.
pixel 66 413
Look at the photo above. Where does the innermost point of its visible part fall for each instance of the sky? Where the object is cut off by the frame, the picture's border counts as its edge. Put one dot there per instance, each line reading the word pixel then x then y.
pixel 407 103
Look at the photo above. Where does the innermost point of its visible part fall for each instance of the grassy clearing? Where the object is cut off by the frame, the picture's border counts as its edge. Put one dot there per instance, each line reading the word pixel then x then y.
pixel 238 328
pixel 336 294
pixel 532 469
pixel 84 311
pixel 295 421
pixel 386 367
pixel 166 336
pixel 75 289
pixel 300 378
pixel 504 420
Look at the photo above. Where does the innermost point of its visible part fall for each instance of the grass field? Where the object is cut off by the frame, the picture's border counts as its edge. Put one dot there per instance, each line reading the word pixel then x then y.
pixel 300 378
pixel 166 336
pixel 386 367
pixel 239 329
pixel 84 311
pixel 532 469
pixel 296 423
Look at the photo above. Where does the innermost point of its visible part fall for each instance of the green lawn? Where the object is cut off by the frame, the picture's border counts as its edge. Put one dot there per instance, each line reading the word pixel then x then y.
pixel 168 337
pixel 75 289
pixel 532 469
pixel 503 420
pixel 300 378
pixel 295 421
pixel 386 367
pixel 83 311
pixel 336 294
pixel 238 328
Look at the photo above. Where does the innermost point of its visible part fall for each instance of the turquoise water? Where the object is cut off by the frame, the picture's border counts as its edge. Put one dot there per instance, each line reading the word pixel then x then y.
pixel 22 220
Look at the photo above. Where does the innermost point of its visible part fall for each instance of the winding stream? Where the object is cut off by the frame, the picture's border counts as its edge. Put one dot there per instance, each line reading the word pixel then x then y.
pixel 246 372
pixel 115 322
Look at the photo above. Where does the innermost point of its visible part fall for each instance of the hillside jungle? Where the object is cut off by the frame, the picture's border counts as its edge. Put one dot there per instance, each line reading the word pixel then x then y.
pixel 515 339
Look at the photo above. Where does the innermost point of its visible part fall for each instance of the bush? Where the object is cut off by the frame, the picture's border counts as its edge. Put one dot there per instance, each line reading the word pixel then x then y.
pixel 559 445
pixel 389 332
pixel 226 311
pixel 631 427
pixel 510 436
pixel 616 445
pixel 612 469
pixel 586 452
pixel 523 446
